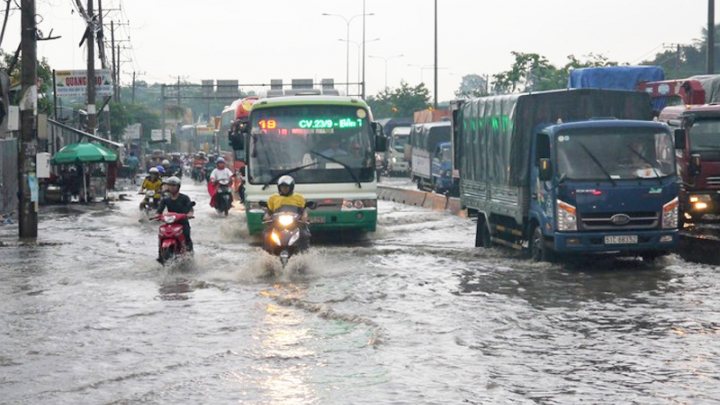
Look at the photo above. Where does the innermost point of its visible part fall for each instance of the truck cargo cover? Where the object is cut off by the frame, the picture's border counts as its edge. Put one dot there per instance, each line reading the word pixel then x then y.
pixel 497 130
pixel 614 77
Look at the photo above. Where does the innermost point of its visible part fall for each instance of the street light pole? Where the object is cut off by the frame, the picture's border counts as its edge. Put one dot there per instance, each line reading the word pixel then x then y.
pixel 347 50
pixel 359 60
pixel 436 60
pixel 386 60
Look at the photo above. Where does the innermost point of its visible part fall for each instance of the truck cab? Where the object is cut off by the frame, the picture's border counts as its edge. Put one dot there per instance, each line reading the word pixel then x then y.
pixel 697 151
pixel 395 162
pixel 603 185
pixel 441 169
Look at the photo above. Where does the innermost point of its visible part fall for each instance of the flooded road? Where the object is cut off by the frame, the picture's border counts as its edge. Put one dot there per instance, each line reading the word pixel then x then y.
pixel 414 315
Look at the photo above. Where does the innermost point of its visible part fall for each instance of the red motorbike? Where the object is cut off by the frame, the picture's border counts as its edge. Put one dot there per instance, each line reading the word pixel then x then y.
pixel 171 237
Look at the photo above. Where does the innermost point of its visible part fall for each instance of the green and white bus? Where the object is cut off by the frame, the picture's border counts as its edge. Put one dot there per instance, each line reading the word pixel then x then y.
pixel 327 143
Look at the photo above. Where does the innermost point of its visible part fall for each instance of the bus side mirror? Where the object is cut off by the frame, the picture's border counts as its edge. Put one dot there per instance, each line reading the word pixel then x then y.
pixel 381 141
pixel 545 169
pixel 695 165
pixel 680 139
pixel 263 204
pixel 237 140
pixel 243 127
pixel 311 204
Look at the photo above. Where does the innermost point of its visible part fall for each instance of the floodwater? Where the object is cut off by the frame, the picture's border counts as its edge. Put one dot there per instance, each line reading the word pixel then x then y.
pixel 412 315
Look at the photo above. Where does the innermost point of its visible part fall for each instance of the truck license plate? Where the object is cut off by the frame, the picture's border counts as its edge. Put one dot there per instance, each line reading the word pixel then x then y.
pixel 621 240
pixel 316 220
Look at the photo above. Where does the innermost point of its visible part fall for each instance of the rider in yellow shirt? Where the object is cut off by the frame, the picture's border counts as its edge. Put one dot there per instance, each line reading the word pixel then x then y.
pixel 286 196
pixel 152 182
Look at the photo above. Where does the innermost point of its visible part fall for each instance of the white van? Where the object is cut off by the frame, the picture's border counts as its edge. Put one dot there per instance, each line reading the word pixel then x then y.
pixel 396 162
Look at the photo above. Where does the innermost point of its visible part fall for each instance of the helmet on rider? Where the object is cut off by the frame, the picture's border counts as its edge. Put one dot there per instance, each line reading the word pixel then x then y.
pixel 221 160
pixel 286 181
pixel 160 169
pixel 154 170
pixel 166 163
pixel 172 181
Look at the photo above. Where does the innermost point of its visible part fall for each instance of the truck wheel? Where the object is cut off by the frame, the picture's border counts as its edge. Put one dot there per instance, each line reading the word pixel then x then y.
pixel 482 234
pixel 539 251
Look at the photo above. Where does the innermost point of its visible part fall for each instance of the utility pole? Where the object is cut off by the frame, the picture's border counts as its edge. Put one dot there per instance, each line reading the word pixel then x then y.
pixel 363 57
pixel 114 67
pixel 133 88
pixel 435 92
pixel 27 180
pixel 116 79
pixel 92 117
pixel 711 38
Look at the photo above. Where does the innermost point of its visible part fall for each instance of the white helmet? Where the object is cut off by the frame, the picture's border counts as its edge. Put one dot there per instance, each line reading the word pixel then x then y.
pixel 172 181
pixel 286 181
pixel 154 170
pixel 165 162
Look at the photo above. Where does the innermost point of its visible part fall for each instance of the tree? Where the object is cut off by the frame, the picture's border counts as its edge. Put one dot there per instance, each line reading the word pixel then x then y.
pixel 400 102
pixel 533 72
pixel 122 115
pixel 44 72
pixel 472 85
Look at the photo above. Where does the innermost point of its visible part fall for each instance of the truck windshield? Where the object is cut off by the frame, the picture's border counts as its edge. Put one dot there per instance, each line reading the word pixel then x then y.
pixel 705 139
pixel 399 142
pixel 603 153
pixel 291 137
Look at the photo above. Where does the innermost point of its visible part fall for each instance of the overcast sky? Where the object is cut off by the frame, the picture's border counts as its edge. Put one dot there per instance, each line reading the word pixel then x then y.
pixel 254 41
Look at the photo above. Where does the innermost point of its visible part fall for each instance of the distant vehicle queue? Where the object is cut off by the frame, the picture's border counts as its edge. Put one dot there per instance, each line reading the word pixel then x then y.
pixel 575 171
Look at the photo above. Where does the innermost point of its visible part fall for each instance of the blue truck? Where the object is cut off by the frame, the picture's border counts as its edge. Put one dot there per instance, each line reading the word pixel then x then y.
pixel 572 171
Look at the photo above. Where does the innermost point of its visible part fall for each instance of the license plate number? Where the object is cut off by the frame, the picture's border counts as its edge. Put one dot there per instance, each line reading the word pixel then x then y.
pixel 316 220
pixel 621 240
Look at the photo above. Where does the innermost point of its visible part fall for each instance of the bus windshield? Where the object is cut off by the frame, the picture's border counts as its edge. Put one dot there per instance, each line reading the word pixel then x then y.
pixel 318 143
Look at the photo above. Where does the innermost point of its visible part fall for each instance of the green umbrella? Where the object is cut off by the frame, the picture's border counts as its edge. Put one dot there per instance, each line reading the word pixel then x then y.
pixel 83 152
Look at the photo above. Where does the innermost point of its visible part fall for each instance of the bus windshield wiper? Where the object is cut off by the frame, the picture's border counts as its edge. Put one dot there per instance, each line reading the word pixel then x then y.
pixel 597 162
pixel 646 160
pixel 348 168
pixel 286 172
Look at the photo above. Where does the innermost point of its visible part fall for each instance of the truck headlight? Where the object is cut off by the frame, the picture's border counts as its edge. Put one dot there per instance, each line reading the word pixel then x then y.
pixel 670 214
pixel 700 198
pixel 394 160
pixel 566 217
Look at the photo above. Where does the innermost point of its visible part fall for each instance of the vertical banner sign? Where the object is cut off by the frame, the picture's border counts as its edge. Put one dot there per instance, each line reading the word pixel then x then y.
pixel 73 83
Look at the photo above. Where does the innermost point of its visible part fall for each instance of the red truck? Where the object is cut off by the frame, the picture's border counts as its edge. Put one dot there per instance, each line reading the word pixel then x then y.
pixel 697 153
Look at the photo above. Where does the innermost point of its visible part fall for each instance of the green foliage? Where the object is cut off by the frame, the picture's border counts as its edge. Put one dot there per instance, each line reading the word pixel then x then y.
pixel 533 72
pixel 472 85
pixel 122 115
pixel 400 102
pixel 44 73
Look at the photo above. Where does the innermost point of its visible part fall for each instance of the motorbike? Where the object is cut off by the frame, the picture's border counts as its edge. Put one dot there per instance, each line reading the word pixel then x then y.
pixel 284 236
pixel 177 171
pixel 198 174
pixel 223 196
pixel 171 237
pixel 149 204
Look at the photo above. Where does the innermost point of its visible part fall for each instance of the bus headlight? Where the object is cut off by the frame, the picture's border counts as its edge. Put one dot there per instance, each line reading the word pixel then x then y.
pixel 566 217
pixel 670 214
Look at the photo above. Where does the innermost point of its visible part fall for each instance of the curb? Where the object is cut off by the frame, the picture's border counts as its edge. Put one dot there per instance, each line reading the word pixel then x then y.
pixel 435 202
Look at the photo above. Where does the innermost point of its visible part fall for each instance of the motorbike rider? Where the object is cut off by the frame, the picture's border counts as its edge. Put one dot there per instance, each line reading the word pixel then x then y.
pixel 286 195
pixel 154 183
pixel 180 203
pixel 219 173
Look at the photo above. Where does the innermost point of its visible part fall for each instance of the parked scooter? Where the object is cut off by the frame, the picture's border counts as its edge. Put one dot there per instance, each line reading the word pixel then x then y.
pixel 287 233
pixel 171 237
pixel 223 196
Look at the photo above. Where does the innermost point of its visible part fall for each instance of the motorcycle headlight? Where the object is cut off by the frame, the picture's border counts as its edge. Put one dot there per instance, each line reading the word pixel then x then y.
pixel 169 219
pixel 286 220
pixel 294 238
pixel 566 217
pixel 670 214
pixel 700 198
pixel 275 238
